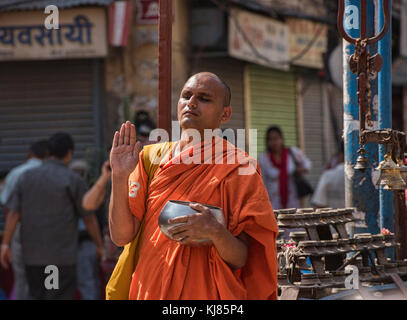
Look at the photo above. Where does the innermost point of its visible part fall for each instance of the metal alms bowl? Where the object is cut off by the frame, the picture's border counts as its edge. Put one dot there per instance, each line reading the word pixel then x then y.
pixel 176 208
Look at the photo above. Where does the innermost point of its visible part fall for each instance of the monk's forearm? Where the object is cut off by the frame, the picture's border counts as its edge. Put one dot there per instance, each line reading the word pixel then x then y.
pixel 123 225
pixel 231 249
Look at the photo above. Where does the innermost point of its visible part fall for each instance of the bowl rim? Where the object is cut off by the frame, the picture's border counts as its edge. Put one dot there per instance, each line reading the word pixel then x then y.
pixel 186 203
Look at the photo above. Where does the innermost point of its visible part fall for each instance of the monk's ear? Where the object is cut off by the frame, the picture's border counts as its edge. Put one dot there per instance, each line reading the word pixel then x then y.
pixel 226 114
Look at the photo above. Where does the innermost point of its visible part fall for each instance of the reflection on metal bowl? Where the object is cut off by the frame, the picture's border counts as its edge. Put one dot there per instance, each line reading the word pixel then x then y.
pixel 175 208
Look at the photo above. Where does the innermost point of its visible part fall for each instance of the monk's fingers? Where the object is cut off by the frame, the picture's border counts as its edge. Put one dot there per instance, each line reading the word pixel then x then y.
pixel 180 219
pixel 126 139
pixel 184 240
pixel 132 135
pixel 175 231
pixel 136 149
pixel 178 234
pixel 199 207
pixel 115 139
pixel 122 133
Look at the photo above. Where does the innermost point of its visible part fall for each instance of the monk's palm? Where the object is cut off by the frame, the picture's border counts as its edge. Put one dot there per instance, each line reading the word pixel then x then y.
pixel 123 159
pixel 125 150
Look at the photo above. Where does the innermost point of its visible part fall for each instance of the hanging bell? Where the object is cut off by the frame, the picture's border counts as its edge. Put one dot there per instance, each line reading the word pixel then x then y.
pixel 362 162
pixel 390 176
pixel 403 170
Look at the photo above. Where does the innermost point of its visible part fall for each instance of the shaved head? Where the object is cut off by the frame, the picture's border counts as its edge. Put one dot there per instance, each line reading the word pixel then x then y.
pixel 225 87
pixel 204 102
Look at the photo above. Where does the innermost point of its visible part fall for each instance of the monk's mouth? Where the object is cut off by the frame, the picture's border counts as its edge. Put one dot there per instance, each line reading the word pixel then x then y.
pixel 189 113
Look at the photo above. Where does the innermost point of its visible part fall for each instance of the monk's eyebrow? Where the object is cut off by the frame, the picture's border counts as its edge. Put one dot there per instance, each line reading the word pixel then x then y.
pixel 205 94
pixel 200 93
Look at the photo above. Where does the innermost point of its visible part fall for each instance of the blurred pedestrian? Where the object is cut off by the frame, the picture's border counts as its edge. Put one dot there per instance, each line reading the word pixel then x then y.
pixel 330 191
pixel 144 125
pixel 97 199
pixel 278 168
pixel 335 159
pixel 37 153
pixel 88 263
pixel 48 201
pixel 6 278
pixel 3 175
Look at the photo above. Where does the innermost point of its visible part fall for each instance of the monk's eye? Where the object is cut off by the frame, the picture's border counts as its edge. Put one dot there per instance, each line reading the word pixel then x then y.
pixel 204 99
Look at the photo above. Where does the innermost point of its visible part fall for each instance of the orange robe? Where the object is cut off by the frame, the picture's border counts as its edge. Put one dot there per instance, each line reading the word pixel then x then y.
pixel 171 271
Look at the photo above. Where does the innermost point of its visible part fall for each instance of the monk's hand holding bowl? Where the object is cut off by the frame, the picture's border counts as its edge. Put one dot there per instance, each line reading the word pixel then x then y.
pixel 195 228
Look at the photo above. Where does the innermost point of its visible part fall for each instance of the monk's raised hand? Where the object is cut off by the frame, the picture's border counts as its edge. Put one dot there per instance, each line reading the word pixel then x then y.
pixel 125 151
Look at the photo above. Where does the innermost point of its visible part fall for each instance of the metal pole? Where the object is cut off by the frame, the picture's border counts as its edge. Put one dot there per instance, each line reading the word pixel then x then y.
pixel 359 189
pixel 164 65
pixel 385 121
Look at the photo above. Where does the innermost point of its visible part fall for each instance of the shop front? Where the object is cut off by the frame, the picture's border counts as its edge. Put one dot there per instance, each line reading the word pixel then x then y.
pixel 51 80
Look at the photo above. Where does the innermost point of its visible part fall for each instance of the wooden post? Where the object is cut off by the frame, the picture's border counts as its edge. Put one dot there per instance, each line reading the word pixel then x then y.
pixel 164 66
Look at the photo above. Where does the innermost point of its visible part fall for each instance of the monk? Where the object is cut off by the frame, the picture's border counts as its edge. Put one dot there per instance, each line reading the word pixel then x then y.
pixel 239 261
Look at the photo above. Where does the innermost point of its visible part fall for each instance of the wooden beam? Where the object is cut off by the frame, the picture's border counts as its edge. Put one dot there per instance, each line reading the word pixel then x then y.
pixel 164 66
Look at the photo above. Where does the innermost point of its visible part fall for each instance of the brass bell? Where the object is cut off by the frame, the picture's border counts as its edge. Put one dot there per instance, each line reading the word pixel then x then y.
pixel 403 170
pixel 390 176
pixel 362 162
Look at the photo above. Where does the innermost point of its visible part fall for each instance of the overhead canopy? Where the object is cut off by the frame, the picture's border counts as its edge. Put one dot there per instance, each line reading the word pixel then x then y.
pixel 15 5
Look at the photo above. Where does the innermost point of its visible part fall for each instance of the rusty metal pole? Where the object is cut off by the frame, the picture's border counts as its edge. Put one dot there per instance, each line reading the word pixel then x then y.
pixel 359 189
pixel 164 65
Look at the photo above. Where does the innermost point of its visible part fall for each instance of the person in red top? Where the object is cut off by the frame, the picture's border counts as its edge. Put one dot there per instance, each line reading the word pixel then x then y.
pixel 278 168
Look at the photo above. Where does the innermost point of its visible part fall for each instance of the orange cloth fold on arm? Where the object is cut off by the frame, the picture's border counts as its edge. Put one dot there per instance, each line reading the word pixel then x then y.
pixel 168 270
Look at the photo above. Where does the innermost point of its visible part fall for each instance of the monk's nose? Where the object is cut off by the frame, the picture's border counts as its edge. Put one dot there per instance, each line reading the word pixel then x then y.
pixel 192 103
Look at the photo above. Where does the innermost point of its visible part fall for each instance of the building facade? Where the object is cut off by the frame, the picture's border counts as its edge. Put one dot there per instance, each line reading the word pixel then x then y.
pixel 75 78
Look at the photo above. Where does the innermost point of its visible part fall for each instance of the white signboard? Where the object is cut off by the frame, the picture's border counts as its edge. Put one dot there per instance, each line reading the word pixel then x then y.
pixel 81 33
pixel 259 39
pixel 302 34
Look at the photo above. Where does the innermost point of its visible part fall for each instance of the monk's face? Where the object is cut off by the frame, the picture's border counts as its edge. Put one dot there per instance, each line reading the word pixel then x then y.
pixel 202 104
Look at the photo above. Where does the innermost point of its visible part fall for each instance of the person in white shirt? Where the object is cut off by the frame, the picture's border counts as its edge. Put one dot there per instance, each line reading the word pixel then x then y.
pixel 330 191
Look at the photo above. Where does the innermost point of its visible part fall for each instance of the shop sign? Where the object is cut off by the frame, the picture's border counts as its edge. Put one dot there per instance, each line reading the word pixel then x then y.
pixel 258 39
pixel 81 34
pixel 147 11
pixel 308 43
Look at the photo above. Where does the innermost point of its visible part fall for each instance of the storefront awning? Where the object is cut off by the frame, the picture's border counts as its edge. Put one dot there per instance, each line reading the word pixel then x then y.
pixel 17 5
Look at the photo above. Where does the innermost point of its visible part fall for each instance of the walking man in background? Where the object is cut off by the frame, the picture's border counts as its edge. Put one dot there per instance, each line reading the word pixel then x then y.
pixel 48 202
pixel 38 151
